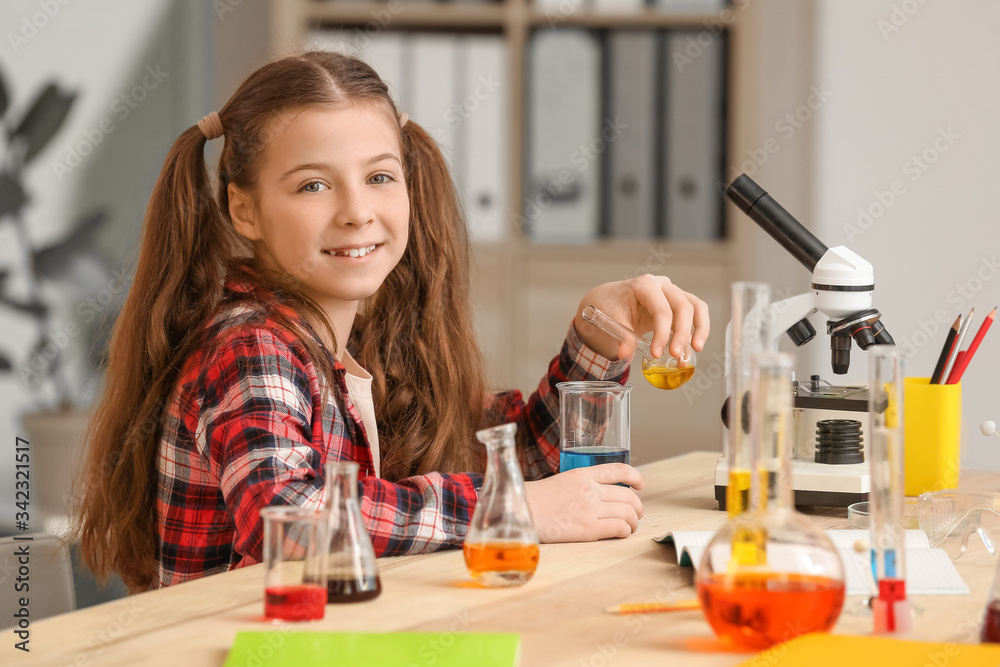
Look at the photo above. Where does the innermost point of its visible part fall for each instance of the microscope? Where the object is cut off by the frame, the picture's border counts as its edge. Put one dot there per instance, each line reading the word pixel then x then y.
pixel 828 466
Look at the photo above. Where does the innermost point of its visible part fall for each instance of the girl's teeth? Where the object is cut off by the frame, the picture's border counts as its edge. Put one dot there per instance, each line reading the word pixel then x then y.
pixel 355 252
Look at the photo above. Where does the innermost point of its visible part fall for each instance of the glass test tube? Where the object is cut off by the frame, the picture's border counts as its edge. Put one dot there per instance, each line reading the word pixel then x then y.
pixel 885 412
pixel 746 334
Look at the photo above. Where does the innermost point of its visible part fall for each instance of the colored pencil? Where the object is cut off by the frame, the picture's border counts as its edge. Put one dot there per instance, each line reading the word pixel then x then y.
pixel 962 331
pixel 959 370
pixel 949 345
pixel 651 607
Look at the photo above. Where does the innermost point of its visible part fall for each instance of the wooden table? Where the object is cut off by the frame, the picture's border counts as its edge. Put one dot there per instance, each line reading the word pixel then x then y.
pixel 558 613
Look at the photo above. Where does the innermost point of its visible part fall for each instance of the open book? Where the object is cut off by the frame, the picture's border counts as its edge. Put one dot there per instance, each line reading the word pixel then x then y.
pixel 928 571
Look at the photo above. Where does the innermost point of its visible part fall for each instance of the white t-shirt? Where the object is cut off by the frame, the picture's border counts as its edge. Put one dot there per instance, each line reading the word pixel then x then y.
pixel 359 386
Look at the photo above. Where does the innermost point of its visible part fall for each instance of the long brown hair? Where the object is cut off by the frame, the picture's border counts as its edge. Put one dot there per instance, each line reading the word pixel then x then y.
pixel 415 336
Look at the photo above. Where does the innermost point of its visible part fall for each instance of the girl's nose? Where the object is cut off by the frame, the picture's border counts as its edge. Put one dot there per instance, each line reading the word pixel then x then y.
pixel 353 208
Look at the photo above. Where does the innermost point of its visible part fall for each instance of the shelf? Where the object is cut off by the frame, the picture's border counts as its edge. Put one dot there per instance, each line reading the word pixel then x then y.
pixel 648 18
pixel 399 14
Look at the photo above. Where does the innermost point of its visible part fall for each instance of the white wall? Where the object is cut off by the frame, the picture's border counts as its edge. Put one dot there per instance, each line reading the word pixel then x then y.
pixel 917 79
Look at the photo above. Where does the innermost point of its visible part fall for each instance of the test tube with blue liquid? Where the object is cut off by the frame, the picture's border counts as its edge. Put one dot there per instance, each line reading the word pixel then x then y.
pixel 890 607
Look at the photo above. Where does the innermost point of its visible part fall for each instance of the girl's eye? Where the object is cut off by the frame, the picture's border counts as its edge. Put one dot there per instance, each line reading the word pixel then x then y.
pixel 315 186
pixel 382 179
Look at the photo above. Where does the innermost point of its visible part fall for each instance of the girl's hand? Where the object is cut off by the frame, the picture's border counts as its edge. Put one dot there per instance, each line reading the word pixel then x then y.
pixel 584 504
pixel 645 303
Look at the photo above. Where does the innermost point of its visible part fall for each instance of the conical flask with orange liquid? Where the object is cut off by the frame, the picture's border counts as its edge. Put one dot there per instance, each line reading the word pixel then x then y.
pixel 501 547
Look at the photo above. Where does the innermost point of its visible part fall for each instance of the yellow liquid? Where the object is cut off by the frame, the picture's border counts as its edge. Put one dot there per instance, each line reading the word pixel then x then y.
pixel 668 378
pixel 738 493
pixel 748 544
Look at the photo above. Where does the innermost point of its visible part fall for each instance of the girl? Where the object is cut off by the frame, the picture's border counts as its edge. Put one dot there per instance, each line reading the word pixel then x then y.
pixel 317 306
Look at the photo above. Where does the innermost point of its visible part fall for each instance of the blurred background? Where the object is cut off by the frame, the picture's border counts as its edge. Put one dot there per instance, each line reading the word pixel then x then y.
pixel 590 140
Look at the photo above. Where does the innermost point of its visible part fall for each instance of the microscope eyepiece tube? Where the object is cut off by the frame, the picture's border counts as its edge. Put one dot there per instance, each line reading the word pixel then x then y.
pixel 776 221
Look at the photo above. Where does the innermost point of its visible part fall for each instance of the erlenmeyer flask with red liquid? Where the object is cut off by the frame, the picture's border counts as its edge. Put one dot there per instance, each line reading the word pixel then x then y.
pixel 991 621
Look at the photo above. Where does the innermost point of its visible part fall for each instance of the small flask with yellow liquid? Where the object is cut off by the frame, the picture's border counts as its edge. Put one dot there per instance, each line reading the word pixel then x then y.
pixel 501 547
pixel 667 372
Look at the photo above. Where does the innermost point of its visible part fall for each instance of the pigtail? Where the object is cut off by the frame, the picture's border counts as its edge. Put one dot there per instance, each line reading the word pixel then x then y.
pixel 416 336
pixel 177 285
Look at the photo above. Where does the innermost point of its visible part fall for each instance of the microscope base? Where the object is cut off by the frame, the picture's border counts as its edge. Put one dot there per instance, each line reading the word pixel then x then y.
pixel 814 484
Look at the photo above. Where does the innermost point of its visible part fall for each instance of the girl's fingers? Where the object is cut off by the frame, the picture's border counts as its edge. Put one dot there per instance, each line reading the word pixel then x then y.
pixel 683 314
pixel 613 528
pixel 701 324
pixel 615 473
pixel 621 495
pixel 650 292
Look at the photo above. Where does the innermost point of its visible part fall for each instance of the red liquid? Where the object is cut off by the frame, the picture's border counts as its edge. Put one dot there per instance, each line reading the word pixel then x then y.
pixel 991 624
pixel 294 603
pixel 755 610
pixel 352 590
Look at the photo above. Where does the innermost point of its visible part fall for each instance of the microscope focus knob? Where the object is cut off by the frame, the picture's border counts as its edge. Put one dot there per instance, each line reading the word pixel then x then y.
pixel 801 332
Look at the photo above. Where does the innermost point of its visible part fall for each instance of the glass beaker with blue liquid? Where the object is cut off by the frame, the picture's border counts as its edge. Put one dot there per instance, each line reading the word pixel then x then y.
pixel 594 424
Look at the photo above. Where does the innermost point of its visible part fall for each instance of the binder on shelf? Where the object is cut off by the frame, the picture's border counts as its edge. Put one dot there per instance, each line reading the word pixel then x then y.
pixel 430 70
pixel 564 138
pixel 619 6
pixel 562 7
pixel 632 85
pixel 691 6
pixel 480 115
pixel 695 137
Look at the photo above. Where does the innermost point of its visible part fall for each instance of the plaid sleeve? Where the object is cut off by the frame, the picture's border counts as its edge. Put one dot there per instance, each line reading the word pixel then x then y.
pixel 538 420
pixel 269 439
pixel 419 514
pixel 257 417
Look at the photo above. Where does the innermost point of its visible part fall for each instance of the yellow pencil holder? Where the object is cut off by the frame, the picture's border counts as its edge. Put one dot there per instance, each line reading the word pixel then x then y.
pixel 932 433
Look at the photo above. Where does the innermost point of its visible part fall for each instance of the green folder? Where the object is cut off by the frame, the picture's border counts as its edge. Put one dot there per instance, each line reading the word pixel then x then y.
pixel 392 649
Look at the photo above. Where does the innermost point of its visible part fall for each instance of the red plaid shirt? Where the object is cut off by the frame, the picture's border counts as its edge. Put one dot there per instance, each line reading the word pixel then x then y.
pixel 247 427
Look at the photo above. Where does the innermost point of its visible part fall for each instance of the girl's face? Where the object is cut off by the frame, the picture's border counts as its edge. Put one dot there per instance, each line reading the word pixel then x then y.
pixel 330 206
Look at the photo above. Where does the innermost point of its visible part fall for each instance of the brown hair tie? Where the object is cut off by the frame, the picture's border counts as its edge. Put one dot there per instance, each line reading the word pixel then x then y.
pixel 211 126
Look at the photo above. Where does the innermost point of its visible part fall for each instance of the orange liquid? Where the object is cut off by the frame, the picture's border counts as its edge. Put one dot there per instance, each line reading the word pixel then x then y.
pixel 668 378
pixel 501 564
pixel 758 610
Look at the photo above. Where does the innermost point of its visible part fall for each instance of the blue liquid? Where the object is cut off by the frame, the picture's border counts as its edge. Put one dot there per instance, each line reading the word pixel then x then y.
pixel 582 457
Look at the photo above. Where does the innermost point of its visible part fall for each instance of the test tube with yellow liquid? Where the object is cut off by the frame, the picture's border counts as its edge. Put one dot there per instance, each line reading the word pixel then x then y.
pixel 665 372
